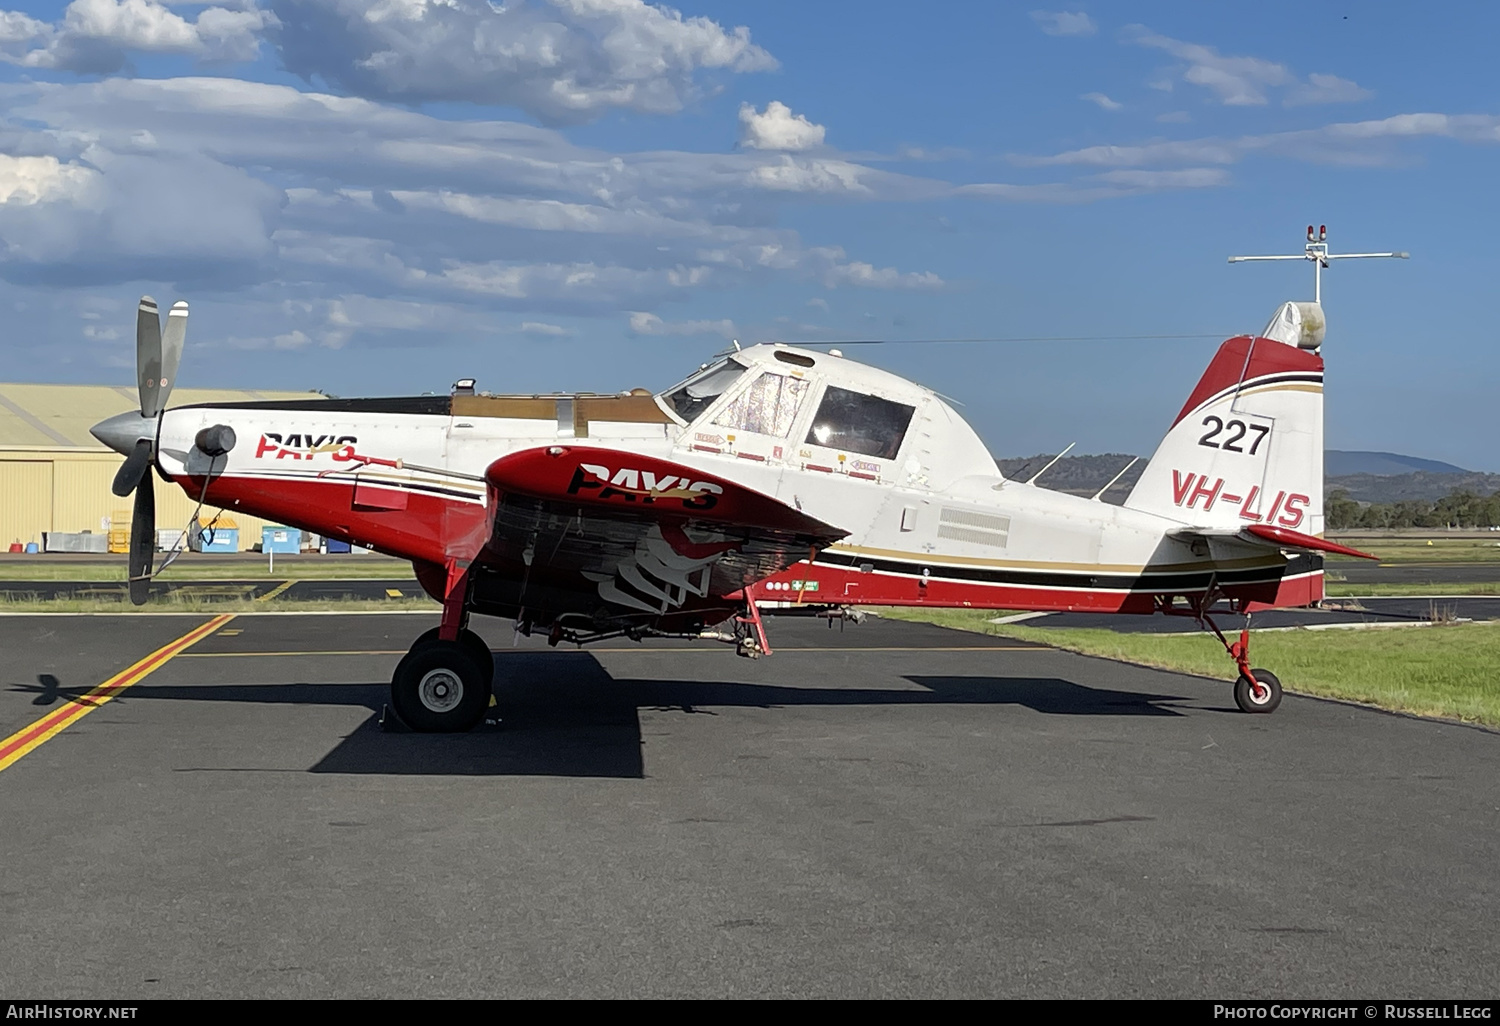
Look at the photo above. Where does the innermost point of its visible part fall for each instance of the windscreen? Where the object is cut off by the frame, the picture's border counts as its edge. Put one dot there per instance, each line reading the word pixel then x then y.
pixel 698 392
pixel 864 424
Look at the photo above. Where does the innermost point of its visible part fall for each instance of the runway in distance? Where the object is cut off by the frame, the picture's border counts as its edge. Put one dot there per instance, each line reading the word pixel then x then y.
pixel 771 479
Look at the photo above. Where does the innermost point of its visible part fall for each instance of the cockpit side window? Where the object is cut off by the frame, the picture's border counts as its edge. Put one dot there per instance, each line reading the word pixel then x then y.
pixel 698 392
pixel 767 407
pixel 858 423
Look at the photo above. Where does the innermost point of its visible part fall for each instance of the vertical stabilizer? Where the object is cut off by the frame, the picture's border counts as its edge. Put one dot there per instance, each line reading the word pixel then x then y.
pixel 1247 447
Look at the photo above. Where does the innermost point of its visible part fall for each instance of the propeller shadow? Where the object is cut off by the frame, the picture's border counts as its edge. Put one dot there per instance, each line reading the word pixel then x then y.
pixel 564 714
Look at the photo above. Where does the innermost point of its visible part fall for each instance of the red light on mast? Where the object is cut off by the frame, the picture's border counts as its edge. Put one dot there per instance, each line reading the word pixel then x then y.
pixel 1322 232
pixel 1309 233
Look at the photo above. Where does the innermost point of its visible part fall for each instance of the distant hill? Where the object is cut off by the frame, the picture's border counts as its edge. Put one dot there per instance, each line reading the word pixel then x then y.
pixel 1392 477
pixel 1420 485
pixel 1077 475
pixel 1337 463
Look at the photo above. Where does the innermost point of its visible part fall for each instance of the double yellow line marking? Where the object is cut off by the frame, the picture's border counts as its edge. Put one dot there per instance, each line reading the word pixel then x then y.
pixel 75 709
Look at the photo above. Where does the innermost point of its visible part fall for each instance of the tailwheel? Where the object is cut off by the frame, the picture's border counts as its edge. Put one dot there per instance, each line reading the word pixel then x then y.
pixel 439 687
pixel 1263 696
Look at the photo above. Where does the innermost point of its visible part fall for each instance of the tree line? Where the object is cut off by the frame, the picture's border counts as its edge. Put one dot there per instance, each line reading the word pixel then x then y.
pixel 1456 509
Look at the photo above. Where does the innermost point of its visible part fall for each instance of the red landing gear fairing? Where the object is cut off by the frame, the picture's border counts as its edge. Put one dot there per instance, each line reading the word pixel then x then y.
pixel 772 479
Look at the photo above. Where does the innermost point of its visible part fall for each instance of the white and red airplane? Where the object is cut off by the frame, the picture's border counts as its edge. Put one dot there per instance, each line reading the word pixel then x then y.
pixel 774 477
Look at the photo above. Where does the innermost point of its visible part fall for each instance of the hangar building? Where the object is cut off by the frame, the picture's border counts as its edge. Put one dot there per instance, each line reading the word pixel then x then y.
pixel 54 477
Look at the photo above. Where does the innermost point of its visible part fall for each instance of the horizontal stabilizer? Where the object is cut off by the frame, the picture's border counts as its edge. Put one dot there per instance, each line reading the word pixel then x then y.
pixel 1280 537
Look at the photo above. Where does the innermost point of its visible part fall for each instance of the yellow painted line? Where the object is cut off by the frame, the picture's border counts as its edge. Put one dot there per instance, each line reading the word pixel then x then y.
pixel 28 738
pixel 393 592
pixel 652 651
pixel 286 655
pixel 268 596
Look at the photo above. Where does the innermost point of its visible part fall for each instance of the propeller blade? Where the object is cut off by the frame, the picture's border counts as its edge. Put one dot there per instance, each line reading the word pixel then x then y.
pixel 135 467
pixel 142 541
pixel 148 357
pixel 172 338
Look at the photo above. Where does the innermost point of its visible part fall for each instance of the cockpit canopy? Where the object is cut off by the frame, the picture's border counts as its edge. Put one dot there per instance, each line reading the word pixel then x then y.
pixel 847 420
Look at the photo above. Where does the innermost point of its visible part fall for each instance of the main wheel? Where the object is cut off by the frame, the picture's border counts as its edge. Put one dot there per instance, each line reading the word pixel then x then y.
pixel 1266 700
pixel 473 644
pixel 438 688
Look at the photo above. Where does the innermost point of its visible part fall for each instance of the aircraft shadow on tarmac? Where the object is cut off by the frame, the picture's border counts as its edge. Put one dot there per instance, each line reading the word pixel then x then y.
pixel 563 714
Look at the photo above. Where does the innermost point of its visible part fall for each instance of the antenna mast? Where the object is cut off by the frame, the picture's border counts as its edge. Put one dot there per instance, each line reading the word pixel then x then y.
pixel 1316 250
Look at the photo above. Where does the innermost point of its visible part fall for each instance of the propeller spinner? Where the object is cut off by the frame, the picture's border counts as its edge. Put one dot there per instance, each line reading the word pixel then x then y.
pixel 157 354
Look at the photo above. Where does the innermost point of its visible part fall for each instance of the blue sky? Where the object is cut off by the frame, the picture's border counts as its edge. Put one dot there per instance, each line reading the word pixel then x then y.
pixel 379 196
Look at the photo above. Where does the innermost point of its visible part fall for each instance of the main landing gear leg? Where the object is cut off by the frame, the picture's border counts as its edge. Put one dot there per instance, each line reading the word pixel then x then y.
pixel 1256 691
pixel 443 684
pixel 751 630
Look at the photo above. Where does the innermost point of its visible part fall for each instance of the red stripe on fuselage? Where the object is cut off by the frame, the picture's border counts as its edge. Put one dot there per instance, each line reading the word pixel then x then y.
pixel 430 528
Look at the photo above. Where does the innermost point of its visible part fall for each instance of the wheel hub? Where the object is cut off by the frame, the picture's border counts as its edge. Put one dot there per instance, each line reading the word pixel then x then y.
pixel 440 690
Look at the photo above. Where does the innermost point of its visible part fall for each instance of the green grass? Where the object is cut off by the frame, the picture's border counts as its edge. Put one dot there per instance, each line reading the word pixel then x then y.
pixel 288 568
pixel 1414 549
pixel 1450 670
pixel 1336 590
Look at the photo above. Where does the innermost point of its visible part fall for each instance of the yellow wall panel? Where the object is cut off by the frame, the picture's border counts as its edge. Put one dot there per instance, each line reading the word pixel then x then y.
pixel 81 499
pixel 25 500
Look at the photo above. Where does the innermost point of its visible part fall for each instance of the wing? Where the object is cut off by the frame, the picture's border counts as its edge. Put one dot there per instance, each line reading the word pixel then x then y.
pixel 642 534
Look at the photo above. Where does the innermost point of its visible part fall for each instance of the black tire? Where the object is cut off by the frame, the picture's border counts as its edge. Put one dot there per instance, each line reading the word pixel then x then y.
pixel 473 644
pixel 1246 699
pixel 438 688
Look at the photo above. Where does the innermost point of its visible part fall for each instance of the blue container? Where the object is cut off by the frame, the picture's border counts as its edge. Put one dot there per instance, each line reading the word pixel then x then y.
pixel 31 548
pixel 281 540
pixel 334 545
pixel 224 539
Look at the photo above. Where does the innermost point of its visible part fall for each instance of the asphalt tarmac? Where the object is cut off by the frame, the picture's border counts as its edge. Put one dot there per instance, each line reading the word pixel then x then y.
pixel 1363 572
pixel 891 810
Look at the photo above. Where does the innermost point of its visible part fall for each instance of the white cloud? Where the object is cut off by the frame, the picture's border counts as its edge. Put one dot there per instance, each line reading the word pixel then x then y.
pixel 1350 143
pixel 777 128
pixel 1244 81
pixel 542 329
pixel 825 176
pixel 16 27
pixel 95 36
pixel 1064 23
pixel 1326 89
pixel 837 272
pixel 642 323
pixel 565 61
pixel 1103 102
pixel 326 195
pixel 1238 81
pixel 1107 185
pixel 25 181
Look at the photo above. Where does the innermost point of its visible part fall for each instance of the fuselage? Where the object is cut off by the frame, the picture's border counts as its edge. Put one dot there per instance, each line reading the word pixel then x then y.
pixel 929 518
